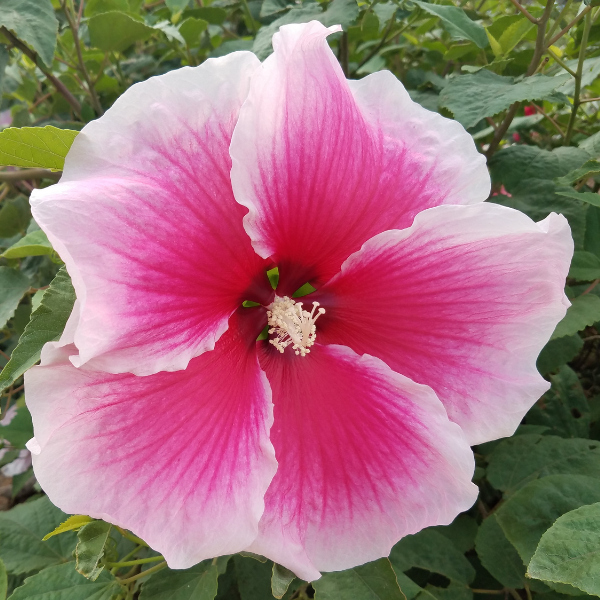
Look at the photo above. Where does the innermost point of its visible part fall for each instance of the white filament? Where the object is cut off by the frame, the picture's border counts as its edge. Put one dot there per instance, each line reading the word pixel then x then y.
pixel 292 325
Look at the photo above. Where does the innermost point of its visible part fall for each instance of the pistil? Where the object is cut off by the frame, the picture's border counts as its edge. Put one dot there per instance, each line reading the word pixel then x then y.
pixel 292 325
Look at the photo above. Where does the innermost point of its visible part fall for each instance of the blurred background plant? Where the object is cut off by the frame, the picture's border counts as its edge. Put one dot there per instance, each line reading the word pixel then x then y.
pixel 522 78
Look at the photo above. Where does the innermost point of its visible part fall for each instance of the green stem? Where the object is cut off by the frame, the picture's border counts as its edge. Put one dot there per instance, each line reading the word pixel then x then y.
pixel 574 22
pixel 559 18
pixel 132 563
pixel 249 15
pixel 132 538
pixel 150 571
pixel 560 62
pixel 584 39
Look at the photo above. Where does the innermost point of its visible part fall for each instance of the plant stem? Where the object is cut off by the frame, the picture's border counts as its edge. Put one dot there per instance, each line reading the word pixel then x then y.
pixel 132 538
pixel 75 30
pixel 576 102
pixel 547 116
pixel 560 62
pixel 150 571
pixel 559 18
pixel 525 12
pixel 533 65
pixel 576 20
pixel 132 563
pixel 343 53
pixel 57 83
pixel 249 15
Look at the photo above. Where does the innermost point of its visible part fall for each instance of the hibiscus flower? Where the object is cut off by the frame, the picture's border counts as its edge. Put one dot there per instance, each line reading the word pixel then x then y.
pixel 320 447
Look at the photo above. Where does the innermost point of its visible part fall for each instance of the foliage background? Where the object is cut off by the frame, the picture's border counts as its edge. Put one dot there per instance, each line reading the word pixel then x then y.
pixel 523 79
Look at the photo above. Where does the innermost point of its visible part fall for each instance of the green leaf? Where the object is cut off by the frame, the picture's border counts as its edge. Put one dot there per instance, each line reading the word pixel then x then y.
pixel 434 552
pixel 72 523
pixel 373 581
pixel 94 7
pixel 191 29
pixel 591 145
pixel 473 97
pixel 272 7
pixel 512 166
pixel 213 14
pixel 564 409
pixel 516 461
pixel 343 12
pixel 569 552
pixel 528 513
pixel 46 325
pixel 63 582
pixel 197 583
pixel 588 197
pixel 514 33
pixel 461 532
pixel 537 198
pixel 33 244
pixel 280 580
pixel 14 216
pixel 90 548
pixel 20 430
pixel 44 147
pixel 583 312
pixel 585 266
pixel 177 6
pixel 498 555
pixel 13 285
pixel 3 581
pixel 34 22
pixel 456 23
pixel 588 169
pixel 340 12
pixel 21 531
pixel 558 352
pixel 116 31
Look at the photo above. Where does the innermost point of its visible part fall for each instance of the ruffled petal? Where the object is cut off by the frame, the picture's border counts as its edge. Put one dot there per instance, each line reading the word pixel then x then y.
pixel 324 164
pixel 181 459
pixel 463 302
pixel 145 219
pixel 365 455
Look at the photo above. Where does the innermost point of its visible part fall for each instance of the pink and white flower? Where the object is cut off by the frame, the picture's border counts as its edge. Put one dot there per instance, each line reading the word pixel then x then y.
pixel 159 411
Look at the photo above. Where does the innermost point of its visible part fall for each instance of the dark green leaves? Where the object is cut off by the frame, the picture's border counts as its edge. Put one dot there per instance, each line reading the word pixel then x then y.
pixel 585 266
pixel 532 510
pixel 63 582
pixel 484 94
pixel 197 583
pixel 569 552
pixel 498 555
pixel 584 311
pixel 373 581
pixel 280 580
pixel 521 459
pixel 457 23
pixel 13 285
pixel 34 22
pixel 35 146
pixel 434 552
pixel 21 531
pixel 90 548
pixel 47 324
pixel 116 31
pixel 33 244
pixel 564 409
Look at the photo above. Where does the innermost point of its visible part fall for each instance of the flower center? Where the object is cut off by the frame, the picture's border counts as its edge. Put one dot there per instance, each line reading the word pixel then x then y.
pixel 292 325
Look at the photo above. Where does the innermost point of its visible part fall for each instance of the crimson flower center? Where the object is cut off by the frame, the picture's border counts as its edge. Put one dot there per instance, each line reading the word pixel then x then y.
pixel 292 325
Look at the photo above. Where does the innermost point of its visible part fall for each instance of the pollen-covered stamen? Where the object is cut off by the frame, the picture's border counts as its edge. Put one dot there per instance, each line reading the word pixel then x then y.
pixel 292 325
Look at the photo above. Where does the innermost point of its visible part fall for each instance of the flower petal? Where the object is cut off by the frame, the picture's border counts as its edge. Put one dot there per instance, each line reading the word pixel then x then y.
pixel 182 459
pixel 324 164
pixel 365 455
pixel 463 301
pixel 145 220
